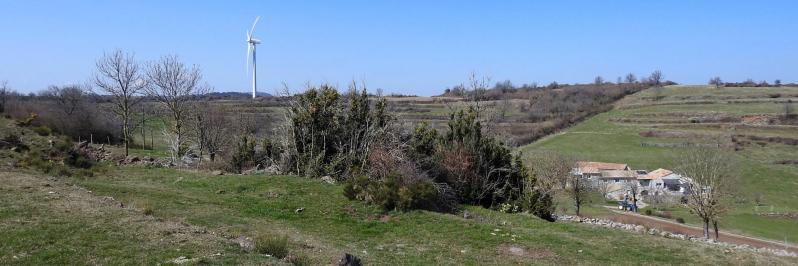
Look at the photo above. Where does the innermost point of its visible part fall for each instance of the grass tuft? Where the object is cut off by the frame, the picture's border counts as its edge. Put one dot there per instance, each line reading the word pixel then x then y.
pixel 274 245
pixel 298 259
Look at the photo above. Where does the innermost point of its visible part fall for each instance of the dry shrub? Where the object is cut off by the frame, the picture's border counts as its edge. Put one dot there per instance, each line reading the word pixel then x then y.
pixel 381 162
pixel 458 163
pixel 396 183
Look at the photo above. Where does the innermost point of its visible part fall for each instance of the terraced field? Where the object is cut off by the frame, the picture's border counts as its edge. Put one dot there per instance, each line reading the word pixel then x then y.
pixel 647 129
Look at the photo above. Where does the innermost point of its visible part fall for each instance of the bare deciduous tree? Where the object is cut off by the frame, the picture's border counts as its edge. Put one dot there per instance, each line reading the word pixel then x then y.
pixel 174 85
pixel 604 188
pixel 716 82
pixel 3 95
pixel 656 78
pixel 118 74
pixel 578 189
pixel 147 113
pixel 211 129
pixel 598 81
pixel 711 177
pixel 633 190
pixel 630 78
pixel 552 171
pixel 68 98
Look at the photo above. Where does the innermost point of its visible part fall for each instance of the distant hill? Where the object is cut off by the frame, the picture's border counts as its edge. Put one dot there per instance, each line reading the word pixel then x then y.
pixel 235 95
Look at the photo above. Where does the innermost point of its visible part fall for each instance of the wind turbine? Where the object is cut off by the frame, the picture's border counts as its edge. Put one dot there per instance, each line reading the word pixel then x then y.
pixel 251 43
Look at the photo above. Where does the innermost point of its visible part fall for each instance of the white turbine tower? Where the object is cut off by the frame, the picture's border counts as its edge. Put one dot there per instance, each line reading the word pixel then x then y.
pixel 251 43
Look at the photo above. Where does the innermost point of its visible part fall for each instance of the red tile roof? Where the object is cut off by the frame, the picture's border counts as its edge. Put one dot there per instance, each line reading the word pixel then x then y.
pixel 657 174
pixel 597 167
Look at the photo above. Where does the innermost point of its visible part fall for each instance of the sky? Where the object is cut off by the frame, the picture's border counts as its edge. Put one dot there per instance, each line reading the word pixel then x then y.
pixel 408 47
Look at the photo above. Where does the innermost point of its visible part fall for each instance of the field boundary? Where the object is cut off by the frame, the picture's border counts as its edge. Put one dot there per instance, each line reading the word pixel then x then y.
pixel 697 231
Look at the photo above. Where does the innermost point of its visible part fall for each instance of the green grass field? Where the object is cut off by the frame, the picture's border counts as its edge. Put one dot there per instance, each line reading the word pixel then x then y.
pixel 330 224
pixel 601 139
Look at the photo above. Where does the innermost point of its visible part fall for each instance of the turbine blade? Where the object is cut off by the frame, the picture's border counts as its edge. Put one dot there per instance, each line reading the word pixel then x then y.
pixel 252 31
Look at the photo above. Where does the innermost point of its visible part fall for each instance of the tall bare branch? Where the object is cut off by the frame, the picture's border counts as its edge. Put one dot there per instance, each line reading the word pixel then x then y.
pixel 119 75
pixel 175 85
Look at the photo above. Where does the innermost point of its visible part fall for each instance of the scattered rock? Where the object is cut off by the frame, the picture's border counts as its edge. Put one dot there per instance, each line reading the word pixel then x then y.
pixel 132 159
pixel 253 171
pixel 82 144
pixel 183 259
pixel 467 215
pixel 190 158
pixel 666 234
pixel 520 251
pixel 244 243
pixel 640 229
pixel 328 179
pixel 217 172
pixel 272 170
pixel 348 260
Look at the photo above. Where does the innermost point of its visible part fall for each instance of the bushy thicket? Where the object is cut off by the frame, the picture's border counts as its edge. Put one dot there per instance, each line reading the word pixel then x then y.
pixel 352 139
pixel 752 83
pixel 47 114
pixel 559 105
pixel 395 191
pixel 331 135
pixel 480 169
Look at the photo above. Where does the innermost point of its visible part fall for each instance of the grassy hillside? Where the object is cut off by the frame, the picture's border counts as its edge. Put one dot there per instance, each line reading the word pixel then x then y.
pixel 131 215
pixel 330 224
pixel 644 132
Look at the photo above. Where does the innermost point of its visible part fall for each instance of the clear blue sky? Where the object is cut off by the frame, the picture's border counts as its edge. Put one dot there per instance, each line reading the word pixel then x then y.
pixel 417 47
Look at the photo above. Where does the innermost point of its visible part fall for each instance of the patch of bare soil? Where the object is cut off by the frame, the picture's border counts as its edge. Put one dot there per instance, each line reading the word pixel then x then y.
pixel 669 134
pixel 520 251
pixel 757 119
pixel 777 140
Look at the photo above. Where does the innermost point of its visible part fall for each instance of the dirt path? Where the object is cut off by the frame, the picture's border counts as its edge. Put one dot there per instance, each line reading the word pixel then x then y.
pixel 670 226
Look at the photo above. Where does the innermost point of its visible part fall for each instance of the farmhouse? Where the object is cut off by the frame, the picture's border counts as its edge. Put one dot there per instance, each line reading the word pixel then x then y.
pixel 592 170
pixel 612 177
pixel 663 180
pixel 616 178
